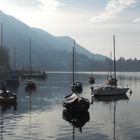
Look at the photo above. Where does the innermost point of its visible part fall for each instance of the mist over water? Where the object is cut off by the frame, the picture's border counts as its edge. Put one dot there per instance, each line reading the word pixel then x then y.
pixel 39 114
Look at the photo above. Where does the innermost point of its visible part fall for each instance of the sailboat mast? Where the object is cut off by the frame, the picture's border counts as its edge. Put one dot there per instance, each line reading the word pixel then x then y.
pixel 30 58
pixel 1 45
pixel 73 62
pixel 14 58
pixel 92 65
pixel 114 57
pixel 110 64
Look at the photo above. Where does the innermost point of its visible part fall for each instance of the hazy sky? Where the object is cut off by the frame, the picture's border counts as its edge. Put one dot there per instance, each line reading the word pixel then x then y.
pixel 92 23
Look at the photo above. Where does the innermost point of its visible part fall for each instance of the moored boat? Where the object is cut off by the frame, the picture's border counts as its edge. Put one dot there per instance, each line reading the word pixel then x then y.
pixel 7 96
pixel 30 84
pixel 111 88
pixel 75 103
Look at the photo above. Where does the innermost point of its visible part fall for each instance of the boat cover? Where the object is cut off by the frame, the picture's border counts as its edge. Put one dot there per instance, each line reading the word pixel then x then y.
pixel 71 98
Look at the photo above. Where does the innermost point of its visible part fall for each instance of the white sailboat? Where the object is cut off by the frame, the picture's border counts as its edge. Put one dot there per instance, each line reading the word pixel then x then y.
pixel 111 87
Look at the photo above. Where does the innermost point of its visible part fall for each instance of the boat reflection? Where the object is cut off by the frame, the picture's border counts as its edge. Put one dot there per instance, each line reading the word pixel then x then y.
pixel 78 119
pixel 111 100
pixel 108 99
pixel 30 113
pixel 2 125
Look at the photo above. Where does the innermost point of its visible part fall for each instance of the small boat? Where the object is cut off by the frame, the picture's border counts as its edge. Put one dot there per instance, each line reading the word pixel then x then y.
pixel 77 87
pixel 92 80
pixel 75 103
pixel 30 84
pixel 7 97
pixel 111 88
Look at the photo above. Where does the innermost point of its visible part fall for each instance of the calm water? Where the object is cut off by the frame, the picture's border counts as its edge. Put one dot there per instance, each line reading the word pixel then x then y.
pixel 39 114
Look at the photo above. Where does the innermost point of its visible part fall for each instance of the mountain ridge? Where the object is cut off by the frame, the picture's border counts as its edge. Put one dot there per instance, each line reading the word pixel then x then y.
pixel 44 45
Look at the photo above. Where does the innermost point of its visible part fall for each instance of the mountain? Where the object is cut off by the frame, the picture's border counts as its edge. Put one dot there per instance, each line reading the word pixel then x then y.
pixel 47 50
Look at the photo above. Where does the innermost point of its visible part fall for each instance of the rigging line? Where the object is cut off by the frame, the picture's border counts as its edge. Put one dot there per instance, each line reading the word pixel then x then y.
pixel 30 59
pixel 92 64
pixel 73 66
pixel 114 57
pixel 1 34
pixel 75 60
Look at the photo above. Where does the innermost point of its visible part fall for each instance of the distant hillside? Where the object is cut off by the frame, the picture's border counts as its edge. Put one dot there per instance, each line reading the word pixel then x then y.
pixel 66 43
pixel 48 51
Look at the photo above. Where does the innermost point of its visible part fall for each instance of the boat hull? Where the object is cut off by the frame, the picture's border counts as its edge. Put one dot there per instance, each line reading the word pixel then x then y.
pixel 110 91
pixel 7 98
pixel 77 106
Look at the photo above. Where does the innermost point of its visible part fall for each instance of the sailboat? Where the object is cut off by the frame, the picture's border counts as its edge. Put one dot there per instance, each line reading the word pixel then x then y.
pixel 77 86
pixel 111 88
pixel 30 83
pixel 92 78
pixel 73 102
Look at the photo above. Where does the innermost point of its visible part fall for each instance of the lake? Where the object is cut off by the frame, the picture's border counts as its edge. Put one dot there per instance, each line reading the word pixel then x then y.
pixel 39 114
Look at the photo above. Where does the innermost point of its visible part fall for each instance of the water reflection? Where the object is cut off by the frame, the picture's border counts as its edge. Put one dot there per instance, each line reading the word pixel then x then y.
pixel 77 119
pixel 110 100
pixel 30 111
pixel 4 108
pixel 39 113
